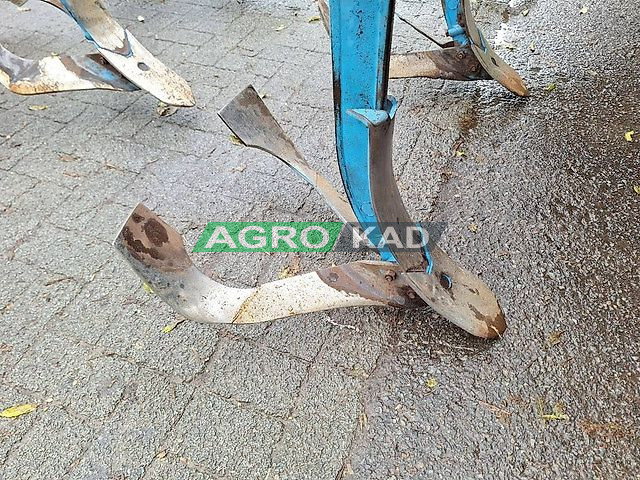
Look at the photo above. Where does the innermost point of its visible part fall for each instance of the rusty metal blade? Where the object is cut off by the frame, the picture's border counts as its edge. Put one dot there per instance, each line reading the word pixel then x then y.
pixel 127 55
pixel 156 253
pixel 126 64
pixel 453 63
pixel 59 74
pixel 250 120
pixel 497 68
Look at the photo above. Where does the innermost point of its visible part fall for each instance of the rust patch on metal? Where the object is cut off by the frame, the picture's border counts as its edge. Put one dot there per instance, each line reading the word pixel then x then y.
pixel 156 232
pixel 496 326
pixel 368 280
pixel 154 243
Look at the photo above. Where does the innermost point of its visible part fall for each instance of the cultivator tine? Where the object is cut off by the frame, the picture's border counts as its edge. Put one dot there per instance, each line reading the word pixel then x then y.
pixel 125 64
pixel 490 60
pixel 453 292
pixel 156 253
pixel 364 133
pixel 468 58
pixel 250 120
pixel 127 54
pixel 59 73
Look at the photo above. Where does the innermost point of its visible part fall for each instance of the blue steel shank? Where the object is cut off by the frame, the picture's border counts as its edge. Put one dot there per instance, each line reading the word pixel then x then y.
pixel 361 44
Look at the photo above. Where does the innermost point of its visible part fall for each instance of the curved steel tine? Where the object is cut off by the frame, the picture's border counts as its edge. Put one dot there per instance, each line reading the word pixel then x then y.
pixel 156 253
pixel 127 54
pixel 453 292
pixel 250 120
pixel 126 64
pixel 497 68
pixel 59 74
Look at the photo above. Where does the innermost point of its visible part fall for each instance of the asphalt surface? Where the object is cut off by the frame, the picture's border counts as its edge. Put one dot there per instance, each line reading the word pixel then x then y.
pixel 539 200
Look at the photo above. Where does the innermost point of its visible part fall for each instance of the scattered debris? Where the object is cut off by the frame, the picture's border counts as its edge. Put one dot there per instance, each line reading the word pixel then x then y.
pixel 532 46
pixel 141 18
pixel 38 108
pixel 58 280
pixel 66 158
pixel 473 228
pixel 239 168
pixel 294 268
pixel 525 12
pixel 235 140
pixel 111 166
pixel 557 412
pixel 165 110
pixel 263 95
pixel 555 337
pixel 502 414
pixel 315 18
pixel 584 10
pixel 13 412
pixel 161 454
pixel 636 188
pixel 550 88
pixel 279 28
pixel 147 288
pixel 628 136
pixel 603 431
pixel 461 153
pixel 363 420
pixel 169 328
pixel 431 383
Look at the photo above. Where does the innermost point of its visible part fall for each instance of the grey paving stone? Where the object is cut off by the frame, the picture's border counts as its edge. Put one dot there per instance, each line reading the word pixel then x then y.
pixel 264 378
pixel 129 440
pixel 49 448
pixel 12 430
pixel 203 436
pixel 321 429
pixel 78 377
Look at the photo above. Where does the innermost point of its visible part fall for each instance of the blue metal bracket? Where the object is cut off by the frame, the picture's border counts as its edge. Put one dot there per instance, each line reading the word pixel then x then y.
pixel 453 13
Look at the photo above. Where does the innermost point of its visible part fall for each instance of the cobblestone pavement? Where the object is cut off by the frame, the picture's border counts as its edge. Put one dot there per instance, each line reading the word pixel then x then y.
pixel 548 182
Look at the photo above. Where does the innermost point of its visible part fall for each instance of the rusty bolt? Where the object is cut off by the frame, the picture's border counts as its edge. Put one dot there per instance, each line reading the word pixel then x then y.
pixel 390 275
